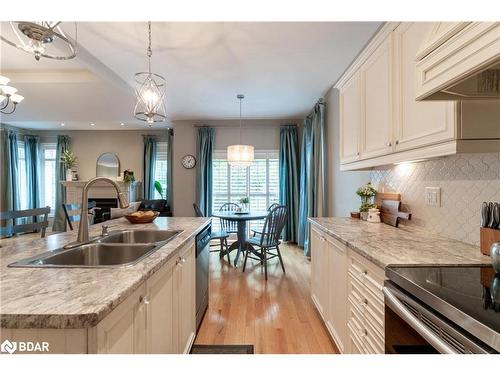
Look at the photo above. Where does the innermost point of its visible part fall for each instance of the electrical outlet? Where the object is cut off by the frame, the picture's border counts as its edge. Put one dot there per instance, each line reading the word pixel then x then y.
pixel 433 196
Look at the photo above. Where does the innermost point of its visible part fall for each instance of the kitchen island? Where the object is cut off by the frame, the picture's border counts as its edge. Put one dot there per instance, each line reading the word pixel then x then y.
pixel 349 257
pixel 94 310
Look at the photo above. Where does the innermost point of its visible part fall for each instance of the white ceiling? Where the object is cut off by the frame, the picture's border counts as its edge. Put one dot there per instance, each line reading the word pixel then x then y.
pixel 282 68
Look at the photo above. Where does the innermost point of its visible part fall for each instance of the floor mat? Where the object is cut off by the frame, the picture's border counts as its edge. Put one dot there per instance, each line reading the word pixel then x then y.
pixel 222 349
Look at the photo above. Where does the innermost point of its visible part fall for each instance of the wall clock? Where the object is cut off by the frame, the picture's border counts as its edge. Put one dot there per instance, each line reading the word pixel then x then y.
pixel 188 161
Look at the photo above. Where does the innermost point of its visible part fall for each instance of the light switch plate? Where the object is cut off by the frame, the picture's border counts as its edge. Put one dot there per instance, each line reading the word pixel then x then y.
pixel 433 196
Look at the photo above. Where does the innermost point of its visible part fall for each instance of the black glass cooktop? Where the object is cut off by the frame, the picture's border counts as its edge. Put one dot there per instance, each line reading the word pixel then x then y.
pixel 468 296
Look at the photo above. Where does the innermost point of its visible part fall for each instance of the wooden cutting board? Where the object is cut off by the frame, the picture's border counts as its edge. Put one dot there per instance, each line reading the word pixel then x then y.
pixel 390 208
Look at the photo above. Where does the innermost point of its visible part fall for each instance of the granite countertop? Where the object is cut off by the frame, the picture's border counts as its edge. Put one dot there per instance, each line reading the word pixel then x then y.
pixel 77 297
pixel 406 245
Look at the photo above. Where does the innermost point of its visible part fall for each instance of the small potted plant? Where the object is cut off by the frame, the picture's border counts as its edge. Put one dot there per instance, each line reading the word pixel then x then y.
pixel 366 193
pixel 69 160
pixel 245 201
pixel 128 176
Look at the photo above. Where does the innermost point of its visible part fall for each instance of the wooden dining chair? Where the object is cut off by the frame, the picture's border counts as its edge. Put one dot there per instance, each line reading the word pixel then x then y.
pixel 229 226
pixel 72 212
pixel 39 221
pixel 271 206
pixel 220 236
pixel 269 239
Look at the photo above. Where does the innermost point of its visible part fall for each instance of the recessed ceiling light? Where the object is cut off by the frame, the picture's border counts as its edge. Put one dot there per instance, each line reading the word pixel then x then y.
pixel 122 124
pixel 92 124
pixel 62 123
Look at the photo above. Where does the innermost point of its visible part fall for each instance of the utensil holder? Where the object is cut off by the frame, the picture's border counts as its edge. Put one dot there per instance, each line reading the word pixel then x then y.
pixel 488 237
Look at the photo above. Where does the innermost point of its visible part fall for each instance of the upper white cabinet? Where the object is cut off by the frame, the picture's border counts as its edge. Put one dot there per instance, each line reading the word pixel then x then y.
pixel 377 80
pixel 351 114
pixel 417 123
pixel 381 122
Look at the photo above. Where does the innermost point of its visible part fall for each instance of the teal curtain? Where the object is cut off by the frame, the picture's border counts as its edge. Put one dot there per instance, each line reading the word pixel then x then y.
pixel 170 185
pixel 63 144
pixel 312 173
pixel 204 151
pixel 148 166
pixel 33 154
pixel 289 179
pixel 10 192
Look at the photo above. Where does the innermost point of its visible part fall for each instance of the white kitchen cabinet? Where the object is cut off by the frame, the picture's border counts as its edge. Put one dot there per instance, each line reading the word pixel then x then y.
pixel 319 272
pixel 160 311
pixel 123 331
pixel 336 319
pixel 382 123
pixel 328 284
pixel 184 297
pixel 351 113
pixel 366 307
pixel 417 123
pixel 159 317
pixel 377 92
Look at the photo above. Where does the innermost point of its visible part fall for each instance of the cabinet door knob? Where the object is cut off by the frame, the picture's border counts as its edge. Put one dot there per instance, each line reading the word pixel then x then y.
pixel 388 144
pixel 144 300
pixel 397 141
pixel 357 153
pixel 181 261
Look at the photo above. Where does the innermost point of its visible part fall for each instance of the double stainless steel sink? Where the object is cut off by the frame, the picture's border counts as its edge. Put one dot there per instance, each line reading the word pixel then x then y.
pixel 117 249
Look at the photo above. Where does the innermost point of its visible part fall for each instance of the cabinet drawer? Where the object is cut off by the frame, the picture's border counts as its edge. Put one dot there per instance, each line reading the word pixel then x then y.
pixel 355 318
pixel 355 289
pixel 355 344
pixel 374 337
pixel 374 310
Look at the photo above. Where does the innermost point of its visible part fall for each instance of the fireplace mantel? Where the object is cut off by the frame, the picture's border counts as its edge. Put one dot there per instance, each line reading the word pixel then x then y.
pixel 101 190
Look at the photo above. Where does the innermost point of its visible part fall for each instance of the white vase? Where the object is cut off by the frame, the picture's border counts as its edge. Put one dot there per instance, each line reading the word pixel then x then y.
pixel 69 175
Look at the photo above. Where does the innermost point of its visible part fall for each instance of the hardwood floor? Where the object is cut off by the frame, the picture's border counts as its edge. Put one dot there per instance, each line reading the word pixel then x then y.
pixel 276 317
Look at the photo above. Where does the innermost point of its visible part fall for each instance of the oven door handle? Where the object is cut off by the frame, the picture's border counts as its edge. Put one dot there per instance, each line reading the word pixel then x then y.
pixel 393 302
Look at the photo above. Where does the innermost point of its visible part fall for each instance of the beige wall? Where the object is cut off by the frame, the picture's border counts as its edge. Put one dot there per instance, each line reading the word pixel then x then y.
pixel 262 134
pixel 127 144
pixel 341 186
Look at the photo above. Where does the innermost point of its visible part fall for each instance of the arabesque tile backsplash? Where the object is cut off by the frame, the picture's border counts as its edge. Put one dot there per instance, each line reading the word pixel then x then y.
pixel 465 180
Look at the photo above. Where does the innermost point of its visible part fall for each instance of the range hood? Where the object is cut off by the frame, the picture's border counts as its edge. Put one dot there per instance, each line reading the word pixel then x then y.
pixel 459 61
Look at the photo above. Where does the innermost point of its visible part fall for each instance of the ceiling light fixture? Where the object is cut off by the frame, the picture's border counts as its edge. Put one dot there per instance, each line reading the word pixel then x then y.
pixel 62 124
pixel 240 155
pixel 41 38
pixel 122 124
pixel 92 124
pixel 9 98
pixel 150 92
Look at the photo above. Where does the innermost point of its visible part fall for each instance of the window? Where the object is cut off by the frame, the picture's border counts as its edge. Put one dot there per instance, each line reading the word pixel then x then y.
pixel 260 182
pixel 47 176
pixel 161 168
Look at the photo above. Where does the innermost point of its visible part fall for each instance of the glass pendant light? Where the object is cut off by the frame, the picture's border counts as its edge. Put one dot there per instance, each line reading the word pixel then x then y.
pixel 9 98
pixel 150 93
pixel 240 155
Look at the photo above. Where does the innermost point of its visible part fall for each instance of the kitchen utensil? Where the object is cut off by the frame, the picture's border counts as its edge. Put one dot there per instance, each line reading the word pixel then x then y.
pixel 491 221
pixel 485 215
pixel 390 212
pixel 496 215
pixel 379 197
pixel 495 256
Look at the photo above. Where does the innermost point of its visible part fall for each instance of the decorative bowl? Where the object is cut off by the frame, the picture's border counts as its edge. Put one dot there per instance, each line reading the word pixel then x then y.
pixel 142 219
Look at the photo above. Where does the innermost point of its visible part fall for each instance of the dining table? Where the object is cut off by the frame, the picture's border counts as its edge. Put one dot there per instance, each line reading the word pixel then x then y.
pixel 241 218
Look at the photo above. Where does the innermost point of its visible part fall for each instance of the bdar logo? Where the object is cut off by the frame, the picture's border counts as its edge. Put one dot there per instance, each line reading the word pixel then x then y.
pixel 8 347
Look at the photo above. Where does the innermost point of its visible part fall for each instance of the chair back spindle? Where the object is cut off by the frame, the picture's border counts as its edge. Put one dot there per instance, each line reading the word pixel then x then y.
pixel 229 226
pixel 273 226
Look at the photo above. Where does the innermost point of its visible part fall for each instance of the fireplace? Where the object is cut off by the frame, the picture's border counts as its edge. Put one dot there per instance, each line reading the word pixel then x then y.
pixel 105 205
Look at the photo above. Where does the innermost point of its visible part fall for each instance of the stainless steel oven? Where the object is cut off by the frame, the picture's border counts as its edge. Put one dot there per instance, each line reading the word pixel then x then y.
pixel 439 310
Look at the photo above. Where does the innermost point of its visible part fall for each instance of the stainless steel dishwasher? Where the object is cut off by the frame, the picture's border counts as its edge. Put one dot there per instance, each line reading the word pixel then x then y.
pixel 202 273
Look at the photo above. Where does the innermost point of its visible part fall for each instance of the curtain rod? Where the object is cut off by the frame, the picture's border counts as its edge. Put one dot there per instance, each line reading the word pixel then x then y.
pixel 237 126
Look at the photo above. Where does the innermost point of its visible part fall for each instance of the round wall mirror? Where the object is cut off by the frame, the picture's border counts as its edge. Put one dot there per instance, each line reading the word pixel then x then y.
pixel 108 165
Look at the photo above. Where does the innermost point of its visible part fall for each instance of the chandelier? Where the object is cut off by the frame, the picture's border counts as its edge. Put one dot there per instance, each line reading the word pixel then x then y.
pixel 150 92
pixel 41 38
pixel 9 99
pixel 240 155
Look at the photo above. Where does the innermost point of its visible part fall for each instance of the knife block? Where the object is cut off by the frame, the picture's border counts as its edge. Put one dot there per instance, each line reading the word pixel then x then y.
pixel 488 237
